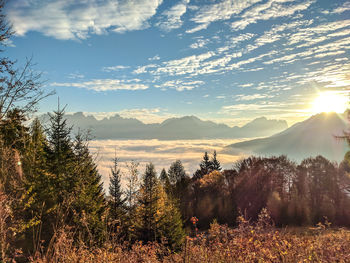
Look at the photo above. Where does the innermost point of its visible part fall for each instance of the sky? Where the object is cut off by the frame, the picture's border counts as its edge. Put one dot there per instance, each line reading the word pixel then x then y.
pixel 227 61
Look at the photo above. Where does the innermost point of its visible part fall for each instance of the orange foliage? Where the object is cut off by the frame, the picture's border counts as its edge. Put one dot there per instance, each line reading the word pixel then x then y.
pixel 215 178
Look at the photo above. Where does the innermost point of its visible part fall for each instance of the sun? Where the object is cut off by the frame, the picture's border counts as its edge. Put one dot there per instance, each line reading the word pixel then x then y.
pixel 330 102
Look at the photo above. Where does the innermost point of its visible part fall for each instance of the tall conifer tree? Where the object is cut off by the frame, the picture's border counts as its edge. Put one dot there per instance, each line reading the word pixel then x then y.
pixel 117 201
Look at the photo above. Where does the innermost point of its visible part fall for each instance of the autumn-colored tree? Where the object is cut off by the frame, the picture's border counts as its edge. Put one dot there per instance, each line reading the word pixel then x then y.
pixel 322 188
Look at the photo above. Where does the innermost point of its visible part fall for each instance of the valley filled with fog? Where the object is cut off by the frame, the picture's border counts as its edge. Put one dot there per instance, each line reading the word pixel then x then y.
pixel 160 153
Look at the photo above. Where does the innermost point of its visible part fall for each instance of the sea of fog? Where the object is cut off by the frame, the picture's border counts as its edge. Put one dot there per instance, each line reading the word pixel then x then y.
pixel 160 153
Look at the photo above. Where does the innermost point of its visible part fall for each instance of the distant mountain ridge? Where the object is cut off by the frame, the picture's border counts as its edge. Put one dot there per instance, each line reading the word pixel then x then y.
pixel 187 127
pixel 312 137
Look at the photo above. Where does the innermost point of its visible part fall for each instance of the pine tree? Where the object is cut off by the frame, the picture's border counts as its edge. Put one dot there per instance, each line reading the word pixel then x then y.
pixel 170 221
pixel 38 188
pixel 176 172
pixel 77 189
pixel 215 164
pixel 148 200
pixel 89 202
pixel 13 131
pixel 117 201
pixel 60 156
pixel 205 164
pixel 164 179
pixel 204 167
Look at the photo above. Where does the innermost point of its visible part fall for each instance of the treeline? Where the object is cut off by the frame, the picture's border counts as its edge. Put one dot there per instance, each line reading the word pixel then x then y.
pixel 316 190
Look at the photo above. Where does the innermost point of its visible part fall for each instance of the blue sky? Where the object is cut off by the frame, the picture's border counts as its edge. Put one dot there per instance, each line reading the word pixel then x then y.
pixel 227 61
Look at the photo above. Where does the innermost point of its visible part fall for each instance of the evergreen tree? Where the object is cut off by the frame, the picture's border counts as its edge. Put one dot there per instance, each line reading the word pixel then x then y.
pixel 170 221
pixel 215 164
pixel 13 131
pixel 38 188
pixel 178 184
pixel 89 203
pixel 117 201
pixel 164 179
pixel 77 188
pixel 176 172
pixel 205 164
pixel 147 211
pixel 204 167
pixel 60 156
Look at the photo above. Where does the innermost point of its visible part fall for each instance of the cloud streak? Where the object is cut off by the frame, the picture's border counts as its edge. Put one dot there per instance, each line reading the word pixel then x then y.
pixel 101 85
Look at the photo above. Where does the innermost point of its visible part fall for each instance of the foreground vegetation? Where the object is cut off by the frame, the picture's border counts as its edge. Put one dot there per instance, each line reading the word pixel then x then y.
pixel 247 243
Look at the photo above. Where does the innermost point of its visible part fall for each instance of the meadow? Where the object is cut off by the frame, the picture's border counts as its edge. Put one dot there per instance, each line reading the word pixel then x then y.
pixel 260 242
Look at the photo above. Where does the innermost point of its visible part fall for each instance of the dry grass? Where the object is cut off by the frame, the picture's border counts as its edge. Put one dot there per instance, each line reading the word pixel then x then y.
pixel 247 243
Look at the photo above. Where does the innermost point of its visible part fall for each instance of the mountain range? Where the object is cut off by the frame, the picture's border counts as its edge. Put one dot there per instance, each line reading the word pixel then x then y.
pixel 188 127
pixel 314 136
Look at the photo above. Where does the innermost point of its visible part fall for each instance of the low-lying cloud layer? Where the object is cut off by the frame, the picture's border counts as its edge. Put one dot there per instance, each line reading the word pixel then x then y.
pixel 160 153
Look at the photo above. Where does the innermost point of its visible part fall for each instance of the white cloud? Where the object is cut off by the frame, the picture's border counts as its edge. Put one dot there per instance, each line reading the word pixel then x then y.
pixel 180 85
pixel 114 68
pixel 262 108
pixel 146 115
pixel 234 41
pixel 197 28
pixel 76 76
pixel 219 11
pixel 199 43
pixel 186 65
pixel 247 85
pixel 341 9
pixel 269 10
pixel 243 97
pixel 66 19
pixel 105 85
pixel 171 19
pixel 309 36
pixel 144 69
pixel 156 57
pixel 328 49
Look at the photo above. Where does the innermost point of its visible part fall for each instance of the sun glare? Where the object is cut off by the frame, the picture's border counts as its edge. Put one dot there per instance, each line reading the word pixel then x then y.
pixel 330 102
